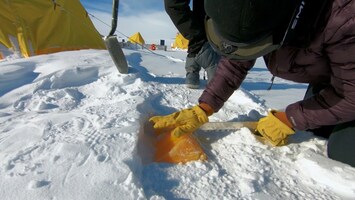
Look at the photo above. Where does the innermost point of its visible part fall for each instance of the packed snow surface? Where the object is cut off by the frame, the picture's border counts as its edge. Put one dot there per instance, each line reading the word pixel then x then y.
pixel 72 127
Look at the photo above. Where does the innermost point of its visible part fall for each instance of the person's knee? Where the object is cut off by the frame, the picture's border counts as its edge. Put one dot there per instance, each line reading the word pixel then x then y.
pixel 191 65
pixel 207 57
pixel 341 144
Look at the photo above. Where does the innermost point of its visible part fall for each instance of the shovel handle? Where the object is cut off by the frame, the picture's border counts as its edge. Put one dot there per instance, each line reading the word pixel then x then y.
pixel 114 17
pixel 228 125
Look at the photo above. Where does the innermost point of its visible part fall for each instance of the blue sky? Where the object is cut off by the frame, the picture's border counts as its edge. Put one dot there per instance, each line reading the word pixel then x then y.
pixel 145 16
pixel 126 7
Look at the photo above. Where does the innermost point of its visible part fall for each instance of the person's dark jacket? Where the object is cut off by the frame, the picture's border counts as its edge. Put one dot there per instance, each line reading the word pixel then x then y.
pixel 189 22
pixel 330 58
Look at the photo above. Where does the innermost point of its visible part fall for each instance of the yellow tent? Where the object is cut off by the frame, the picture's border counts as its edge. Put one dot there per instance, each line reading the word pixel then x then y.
pixel 180 42
pixel 38 27
pixel 136 39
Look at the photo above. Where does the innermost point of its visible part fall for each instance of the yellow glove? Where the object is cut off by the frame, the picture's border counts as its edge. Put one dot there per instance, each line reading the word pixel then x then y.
pixel 182 122
pixel 275 128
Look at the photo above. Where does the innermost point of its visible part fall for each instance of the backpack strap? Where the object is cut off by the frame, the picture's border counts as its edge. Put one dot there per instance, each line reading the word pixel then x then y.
pixel 306 20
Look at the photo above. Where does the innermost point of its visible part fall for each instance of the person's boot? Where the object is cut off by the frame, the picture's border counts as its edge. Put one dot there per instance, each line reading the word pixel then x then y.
pixel 192 80
pixel 192 73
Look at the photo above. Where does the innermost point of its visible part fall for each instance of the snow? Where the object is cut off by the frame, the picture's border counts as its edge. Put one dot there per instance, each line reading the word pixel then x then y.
pixel 72 127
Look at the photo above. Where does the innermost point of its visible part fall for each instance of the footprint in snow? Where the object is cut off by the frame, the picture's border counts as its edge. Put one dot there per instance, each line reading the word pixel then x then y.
pixel 38 184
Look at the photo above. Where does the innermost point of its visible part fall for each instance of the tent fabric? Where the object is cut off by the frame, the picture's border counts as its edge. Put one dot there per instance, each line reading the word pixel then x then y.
pixel 6 19
pixel 180 42
pixel 39 27
pixel 136 39
pixel 5 51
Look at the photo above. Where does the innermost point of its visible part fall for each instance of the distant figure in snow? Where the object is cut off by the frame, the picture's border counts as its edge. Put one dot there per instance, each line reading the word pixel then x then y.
pixel 189 22
pixel 306 41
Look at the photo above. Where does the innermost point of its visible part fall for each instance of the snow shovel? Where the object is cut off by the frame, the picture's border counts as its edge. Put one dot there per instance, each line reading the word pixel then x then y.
pixel 112 44
pixel 186 148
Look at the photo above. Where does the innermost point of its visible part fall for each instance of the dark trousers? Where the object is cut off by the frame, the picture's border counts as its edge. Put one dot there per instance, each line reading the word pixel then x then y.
pixel 341 137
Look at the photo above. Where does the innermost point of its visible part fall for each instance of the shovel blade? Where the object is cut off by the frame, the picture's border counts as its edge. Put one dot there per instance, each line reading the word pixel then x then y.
pixel 183 149
pixel 116 53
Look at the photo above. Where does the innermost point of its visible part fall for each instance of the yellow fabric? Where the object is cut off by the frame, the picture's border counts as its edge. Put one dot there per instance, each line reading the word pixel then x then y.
pixel 45 27
pixel 273 130
pixel 7 27
pixel 180 123
pixel 180 42
pixel 136 39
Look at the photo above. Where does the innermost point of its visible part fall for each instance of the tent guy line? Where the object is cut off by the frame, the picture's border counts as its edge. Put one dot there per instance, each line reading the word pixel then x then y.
pixel 28 47
pixel 126 37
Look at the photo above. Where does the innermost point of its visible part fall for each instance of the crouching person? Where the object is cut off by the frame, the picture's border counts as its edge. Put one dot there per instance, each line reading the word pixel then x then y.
pixel 307 41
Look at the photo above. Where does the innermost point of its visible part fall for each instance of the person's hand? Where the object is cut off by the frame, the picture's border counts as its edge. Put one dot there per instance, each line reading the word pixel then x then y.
pixel 275 128
pixel 182 122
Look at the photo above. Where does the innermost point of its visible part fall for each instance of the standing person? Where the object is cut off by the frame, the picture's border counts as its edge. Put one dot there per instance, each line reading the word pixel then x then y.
pixel 307 41
pixel 189 22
